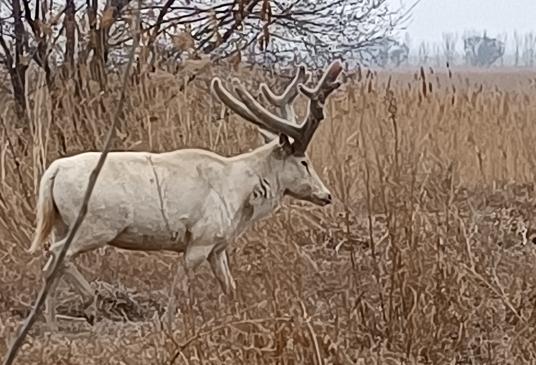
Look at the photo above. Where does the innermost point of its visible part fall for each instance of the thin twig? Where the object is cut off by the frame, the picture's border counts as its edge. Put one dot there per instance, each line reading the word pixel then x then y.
pixel 23 331
pixel 312 333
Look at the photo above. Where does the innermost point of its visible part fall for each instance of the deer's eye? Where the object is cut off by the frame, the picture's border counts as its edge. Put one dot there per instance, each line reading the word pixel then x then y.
pixel 304 163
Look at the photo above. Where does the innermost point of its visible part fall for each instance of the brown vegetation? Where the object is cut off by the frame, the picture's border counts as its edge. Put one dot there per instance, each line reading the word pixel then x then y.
pixel 419 261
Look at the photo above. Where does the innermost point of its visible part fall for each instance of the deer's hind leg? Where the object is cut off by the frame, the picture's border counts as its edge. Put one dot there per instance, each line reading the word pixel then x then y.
pixel 77 280
pixel 94 232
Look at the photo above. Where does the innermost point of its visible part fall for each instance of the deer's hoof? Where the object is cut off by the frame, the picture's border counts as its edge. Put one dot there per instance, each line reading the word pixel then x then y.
pixel 90 318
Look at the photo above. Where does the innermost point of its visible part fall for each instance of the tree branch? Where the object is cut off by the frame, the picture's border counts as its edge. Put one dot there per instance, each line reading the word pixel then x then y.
pixel 7 52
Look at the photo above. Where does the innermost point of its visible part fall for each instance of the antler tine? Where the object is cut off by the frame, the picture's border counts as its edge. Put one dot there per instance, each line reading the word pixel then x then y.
pixel 263 119
pixel 272 122
pixel 317 97
pixel 327 84
pixel 291 90
pixel 286 99
pixel 233 103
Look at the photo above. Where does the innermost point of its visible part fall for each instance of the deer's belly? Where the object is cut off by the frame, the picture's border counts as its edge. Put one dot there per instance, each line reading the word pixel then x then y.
pixel 132 239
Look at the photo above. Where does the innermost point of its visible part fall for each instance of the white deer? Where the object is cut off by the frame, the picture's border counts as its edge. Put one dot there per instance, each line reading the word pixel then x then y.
pixel 189 201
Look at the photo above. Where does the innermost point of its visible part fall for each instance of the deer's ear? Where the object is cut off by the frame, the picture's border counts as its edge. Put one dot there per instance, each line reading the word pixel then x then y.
pixel 285 144
pixel 266 136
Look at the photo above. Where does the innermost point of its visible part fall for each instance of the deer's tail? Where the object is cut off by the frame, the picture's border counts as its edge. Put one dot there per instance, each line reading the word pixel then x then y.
pixel 47 213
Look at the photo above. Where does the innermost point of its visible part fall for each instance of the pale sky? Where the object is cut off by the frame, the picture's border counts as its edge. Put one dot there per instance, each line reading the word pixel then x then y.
pixel 432 18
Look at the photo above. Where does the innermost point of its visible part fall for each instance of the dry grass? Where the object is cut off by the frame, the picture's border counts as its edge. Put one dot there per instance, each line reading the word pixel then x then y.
pixel 419 260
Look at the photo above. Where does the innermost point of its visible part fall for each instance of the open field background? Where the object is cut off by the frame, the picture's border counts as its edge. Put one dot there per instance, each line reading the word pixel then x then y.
pixel 420 260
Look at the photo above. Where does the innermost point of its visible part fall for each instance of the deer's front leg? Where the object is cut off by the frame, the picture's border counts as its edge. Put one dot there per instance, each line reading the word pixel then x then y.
pixel 220 267
pixel 193 257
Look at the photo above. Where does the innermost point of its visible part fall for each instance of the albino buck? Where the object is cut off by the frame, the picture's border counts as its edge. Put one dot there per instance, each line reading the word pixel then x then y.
pixel 191 200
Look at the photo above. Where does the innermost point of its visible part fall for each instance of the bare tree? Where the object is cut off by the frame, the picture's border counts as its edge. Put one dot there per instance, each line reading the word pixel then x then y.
pixel 63 36
pixel 529 46
pixel 517 46
pixel 424 53
pixel 14 58
pixel 69 24
pixel 503 37
pixel 482 51
pixel 407 42
pixel 449 47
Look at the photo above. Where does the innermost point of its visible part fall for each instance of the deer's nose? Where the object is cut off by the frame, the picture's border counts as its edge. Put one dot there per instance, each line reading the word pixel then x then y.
pixel 328 199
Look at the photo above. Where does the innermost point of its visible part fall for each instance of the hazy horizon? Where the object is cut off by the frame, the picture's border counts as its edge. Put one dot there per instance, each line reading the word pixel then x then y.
pixel 431 18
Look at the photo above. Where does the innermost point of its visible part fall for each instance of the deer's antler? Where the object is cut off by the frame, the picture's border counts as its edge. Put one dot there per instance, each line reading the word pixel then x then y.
pixel 250 109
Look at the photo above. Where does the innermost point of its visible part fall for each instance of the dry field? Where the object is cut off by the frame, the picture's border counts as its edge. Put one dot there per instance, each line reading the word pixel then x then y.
pixel 420 260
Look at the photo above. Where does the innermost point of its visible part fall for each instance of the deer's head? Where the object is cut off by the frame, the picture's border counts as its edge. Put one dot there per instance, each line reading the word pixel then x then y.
pixel 287 138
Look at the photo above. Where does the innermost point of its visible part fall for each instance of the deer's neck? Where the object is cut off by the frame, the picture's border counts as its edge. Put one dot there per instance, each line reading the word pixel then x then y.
pixel 258 181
